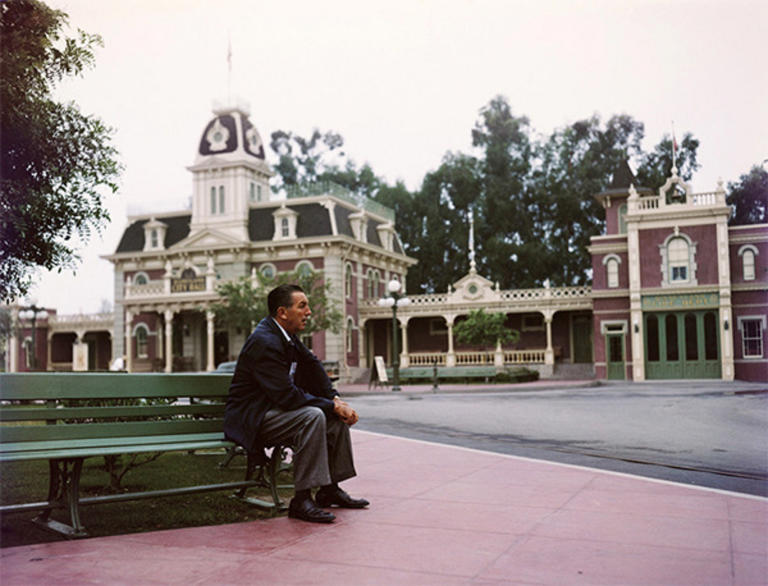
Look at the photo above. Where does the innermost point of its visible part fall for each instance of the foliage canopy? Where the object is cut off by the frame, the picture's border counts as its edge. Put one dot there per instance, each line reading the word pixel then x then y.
pixel 485 329
pixel 243 302
pixel 57 163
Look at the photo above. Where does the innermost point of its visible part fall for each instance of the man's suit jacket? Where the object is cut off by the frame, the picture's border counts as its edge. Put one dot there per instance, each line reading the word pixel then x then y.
pixel 263 381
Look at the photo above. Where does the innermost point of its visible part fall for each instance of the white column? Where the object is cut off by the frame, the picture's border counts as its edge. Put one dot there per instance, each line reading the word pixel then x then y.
pixel 168 315
pixel 404 361
pixel 549 354
pixel 128 341
pixel 209 315
pixel 498 355
pixel 362 350
pixel 13 351
pixel 450 359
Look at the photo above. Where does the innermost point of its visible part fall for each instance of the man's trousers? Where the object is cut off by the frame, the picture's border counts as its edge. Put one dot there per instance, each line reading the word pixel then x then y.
pixel 322 448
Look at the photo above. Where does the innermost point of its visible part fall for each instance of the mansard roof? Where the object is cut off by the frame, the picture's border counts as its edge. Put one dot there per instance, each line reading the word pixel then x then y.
pixel 133 237
pixel 313 221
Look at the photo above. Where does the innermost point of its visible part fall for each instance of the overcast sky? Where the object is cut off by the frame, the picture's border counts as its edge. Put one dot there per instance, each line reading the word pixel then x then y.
pixel 402 81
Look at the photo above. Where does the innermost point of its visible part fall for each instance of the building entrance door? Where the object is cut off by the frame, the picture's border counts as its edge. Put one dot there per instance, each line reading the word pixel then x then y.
pixel 582 338
pixel 614 343
pixel 682 345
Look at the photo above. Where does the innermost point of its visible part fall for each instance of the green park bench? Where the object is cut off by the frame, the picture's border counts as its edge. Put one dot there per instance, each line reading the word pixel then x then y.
pixel 444 373
pixel 67 417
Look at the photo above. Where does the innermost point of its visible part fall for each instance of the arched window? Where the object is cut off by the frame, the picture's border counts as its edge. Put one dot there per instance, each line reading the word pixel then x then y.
pixel 221 199
pixel 348 281
pixel 188 273
pixel 140 279
pixel 304 268
pixel 623 218
pixel 142 344
pixel 373 284
pixel 268 271
pixel 612 271
pixel 350 335
pixel 747 254
pixel 213 200
pixel 677 253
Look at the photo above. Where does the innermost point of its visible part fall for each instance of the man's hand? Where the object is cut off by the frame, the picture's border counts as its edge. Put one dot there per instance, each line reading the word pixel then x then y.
pixel 344 411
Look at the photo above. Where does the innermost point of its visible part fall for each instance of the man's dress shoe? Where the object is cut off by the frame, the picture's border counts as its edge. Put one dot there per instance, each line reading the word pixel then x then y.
pixel 306 510
pixel 339 498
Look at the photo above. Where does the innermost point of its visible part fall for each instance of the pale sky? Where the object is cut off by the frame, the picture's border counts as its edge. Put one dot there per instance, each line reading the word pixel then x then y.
pixel 402 81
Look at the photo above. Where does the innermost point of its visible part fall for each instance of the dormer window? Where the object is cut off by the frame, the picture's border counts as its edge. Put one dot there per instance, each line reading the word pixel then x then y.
pixel 154 235
pixel 285 223
pixel 359 224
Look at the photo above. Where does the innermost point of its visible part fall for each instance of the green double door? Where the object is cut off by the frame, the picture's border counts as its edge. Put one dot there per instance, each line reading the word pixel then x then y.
pixel 682 345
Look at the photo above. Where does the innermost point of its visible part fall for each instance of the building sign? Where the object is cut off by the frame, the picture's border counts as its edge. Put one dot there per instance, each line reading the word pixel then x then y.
pixel 689 301
pixel 188 285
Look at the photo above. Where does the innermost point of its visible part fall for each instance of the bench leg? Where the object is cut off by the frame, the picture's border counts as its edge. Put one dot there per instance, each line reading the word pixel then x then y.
pixel 267 478
pixel 64 492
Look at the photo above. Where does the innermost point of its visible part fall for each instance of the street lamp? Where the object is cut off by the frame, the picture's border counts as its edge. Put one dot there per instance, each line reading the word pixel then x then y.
pixel 32 312
pixel 396 299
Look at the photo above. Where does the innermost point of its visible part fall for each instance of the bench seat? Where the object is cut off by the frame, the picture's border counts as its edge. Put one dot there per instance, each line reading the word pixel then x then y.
pixel 67 417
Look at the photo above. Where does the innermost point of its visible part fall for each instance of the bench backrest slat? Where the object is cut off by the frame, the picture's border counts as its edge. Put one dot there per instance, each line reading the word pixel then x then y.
pixel 67 414
pixel 92 385
pixel 36 433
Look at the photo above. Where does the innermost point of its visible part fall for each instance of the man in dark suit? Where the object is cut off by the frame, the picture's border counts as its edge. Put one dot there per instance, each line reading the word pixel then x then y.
pixel 280 393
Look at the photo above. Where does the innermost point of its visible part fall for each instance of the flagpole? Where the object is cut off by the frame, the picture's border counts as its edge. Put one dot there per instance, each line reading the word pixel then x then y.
pixel 229 68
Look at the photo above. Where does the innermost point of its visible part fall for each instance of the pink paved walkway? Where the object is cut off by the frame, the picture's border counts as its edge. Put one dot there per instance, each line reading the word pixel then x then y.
pixel 445 515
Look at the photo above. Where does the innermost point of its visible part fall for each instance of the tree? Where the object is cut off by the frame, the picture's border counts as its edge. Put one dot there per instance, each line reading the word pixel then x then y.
pixel 749 197
pixel 244 303
pixel 485 329
pixel 56 162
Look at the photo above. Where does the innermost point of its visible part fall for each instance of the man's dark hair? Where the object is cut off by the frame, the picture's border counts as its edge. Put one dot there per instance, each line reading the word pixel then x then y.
pixel 281 296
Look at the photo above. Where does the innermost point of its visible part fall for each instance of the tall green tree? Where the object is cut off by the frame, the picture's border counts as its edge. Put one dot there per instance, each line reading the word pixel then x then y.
pixel 244 303
pixel 57 163
pixel 749 197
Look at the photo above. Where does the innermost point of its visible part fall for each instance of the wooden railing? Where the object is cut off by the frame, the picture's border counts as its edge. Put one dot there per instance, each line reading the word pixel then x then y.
pixel 477 358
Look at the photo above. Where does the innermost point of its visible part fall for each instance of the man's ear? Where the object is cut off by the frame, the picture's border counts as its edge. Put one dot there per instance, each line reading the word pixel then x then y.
pixel 282 312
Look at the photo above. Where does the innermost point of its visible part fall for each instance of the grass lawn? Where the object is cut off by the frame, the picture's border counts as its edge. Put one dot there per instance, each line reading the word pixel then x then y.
pixel 22 482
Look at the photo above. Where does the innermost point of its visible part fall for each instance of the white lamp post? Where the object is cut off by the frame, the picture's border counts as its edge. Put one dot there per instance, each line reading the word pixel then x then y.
pixel 395 300
pixel 32 312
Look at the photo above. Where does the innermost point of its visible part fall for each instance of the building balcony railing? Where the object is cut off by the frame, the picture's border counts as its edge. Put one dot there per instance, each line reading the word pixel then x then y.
pixel 478 358
pixel 694 200
pixel 336 190
pixel 496 300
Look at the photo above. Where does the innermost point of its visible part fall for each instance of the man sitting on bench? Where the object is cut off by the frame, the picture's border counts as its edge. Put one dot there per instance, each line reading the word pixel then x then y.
pixel 280 394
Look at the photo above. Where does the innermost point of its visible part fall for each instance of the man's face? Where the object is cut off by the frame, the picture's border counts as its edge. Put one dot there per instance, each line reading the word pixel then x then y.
pixel 294 318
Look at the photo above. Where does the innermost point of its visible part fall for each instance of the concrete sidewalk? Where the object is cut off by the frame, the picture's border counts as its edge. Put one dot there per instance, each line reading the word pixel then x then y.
pixel 446 515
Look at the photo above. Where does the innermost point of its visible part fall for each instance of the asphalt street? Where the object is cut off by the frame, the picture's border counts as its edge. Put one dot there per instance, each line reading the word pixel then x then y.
pixel 712 434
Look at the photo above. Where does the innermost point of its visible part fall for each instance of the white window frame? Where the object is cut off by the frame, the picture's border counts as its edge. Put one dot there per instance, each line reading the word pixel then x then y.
pixel 304 263
pixel 615 261
pixel 666 269
pixel 268 265
pixel 222 200
pixel 348 271
pixel 140 274
pixel 141 327
pixel 349 339
pixel 761 320
pixel 748 251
